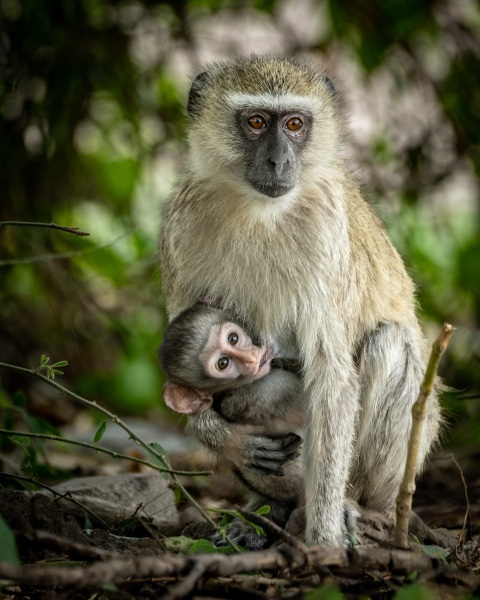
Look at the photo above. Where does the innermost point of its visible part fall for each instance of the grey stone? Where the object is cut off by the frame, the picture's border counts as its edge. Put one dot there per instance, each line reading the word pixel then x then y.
pixel 115 497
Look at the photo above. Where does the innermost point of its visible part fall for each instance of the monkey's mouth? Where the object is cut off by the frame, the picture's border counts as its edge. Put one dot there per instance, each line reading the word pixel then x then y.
pixel 274 189
pixel 268 355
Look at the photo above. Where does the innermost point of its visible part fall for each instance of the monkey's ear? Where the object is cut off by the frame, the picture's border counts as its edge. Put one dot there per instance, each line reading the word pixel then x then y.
pixel 184 400
pixel 330 86
pixel 195 93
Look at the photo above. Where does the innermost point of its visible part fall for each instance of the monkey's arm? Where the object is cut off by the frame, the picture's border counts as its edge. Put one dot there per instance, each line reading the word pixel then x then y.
pixel 274 402
pixel 246 447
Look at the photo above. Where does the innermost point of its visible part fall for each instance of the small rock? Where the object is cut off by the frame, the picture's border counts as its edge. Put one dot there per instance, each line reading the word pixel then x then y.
pixel 116 497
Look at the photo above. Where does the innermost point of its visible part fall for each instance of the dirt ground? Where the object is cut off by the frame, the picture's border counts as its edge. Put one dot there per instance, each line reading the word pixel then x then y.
pixel 146 562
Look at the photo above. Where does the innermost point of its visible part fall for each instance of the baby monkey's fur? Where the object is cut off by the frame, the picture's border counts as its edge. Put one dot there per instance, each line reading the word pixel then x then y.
pixel 251 429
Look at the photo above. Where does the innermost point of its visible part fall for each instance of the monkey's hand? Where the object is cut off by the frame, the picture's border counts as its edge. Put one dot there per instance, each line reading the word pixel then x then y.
pixel 267 455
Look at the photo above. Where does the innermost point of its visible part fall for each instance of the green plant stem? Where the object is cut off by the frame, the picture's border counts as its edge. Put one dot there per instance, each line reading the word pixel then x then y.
pixel 73 230
pixel 57 438
pixel 419 415
pixel 55 493
pixel 125 427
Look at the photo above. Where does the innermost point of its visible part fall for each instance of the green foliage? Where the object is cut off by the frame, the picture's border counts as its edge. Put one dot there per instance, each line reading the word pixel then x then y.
pixel 326 592
pixel 50 370
pixel 415 592
pixel 206 547
pixel 34 462
pixel 437 552
pixel 99 433
pixel 164 462
pixel 8 547
pixel 185 545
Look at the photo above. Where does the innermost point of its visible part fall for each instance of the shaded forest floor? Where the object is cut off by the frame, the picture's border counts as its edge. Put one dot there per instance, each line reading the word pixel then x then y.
pixel 62 560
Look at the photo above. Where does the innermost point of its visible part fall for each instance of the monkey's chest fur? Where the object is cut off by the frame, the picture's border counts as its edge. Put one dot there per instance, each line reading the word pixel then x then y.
pixel 275 273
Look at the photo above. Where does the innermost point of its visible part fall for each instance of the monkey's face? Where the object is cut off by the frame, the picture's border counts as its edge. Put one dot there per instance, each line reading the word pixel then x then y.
pixel 259 127
pixel 230 354
pixel 273 142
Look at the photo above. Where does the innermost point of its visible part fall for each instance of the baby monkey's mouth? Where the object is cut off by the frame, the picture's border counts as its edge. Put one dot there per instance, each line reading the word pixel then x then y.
pixel 268 355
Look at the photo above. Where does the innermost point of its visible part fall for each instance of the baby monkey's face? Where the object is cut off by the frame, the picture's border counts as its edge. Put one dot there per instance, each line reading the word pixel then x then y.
pixel 231 354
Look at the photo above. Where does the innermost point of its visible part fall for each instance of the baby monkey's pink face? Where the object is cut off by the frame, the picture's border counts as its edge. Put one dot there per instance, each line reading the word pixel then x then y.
pixel 230 354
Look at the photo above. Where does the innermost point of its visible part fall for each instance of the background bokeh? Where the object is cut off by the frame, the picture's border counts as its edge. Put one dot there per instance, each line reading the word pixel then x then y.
pixel 92 97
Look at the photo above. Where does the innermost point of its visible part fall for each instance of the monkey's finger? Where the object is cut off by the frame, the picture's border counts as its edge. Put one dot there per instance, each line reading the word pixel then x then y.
pixel 275 454
pixel 271 464
pixel 289 440
pixel 277 443
pixel 267 468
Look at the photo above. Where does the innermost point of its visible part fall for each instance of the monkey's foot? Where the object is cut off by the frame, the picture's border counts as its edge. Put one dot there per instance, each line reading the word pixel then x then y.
pixel 297 521
pixel 241 534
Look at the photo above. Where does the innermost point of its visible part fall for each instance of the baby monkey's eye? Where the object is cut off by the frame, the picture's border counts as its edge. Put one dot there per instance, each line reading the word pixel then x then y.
pixel 223 362
pixel 257 122
pixel 233 338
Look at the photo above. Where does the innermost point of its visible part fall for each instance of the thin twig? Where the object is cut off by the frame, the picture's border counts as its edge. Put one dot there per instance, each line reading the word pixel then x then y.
pixel 57 438
pixel 56 494
pixel 466 529
pixel 419 415
pixel 74 230
pixel 27 260
pixel 138 440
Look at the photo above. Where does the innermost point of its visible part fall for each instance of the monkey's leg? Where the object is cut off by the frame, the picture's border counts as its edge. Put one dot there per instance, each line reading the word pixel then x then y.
pixel 390 371
pixel 332 404
pixel 281 493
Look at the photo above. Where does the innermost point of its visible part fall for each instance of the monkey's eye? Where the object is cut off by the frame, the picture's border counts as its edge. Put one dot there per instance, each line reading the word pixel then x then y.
pixel 223 362
pixel 294 124
pixel 233 338
pixel 257 122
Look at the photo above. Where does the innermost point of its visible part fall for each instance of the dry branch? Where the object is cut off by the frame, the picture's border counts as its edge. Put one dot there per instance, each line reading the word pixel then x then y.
pixel 196 566
pixel 419 415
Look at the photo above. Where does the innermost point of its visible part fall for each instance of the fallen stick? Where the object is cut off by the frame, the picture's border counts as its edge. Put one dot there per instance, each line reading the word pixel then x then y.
pixel 195 566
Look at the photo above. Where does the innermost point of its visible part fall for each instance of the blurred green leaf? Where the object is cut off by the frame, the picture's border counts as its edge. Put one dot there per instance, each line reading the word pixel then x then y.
pixel 436 552
pixel 263 510
pixel 99 433
pixel 179 544
pixel 155 460
pixel 8 547
pixel 20 440
pixel 137 384
pixel 415 592
pixel 326 592
pixel 468 268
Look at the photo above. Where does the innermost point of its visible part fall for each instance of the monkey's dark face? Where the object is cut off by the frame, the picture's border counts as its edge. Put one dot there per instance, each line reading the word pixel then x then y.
pixel 230 354
pixel 261 128
pixel 272 143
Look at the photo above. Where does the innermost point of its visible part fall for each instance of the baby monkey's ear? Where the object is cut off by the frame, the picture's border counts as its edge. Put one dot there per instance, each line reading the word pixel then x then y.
pixel 184 400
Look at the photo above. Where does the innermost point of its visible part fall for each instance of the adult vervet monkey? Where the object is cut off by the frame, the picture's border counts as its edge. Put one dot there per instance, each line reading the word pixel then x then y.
pixel 268 223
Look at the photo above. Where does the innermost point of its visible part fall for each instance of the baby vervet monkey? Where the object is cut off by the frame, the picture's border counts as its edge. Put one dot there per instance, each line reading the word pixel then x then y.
pixel 246 407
